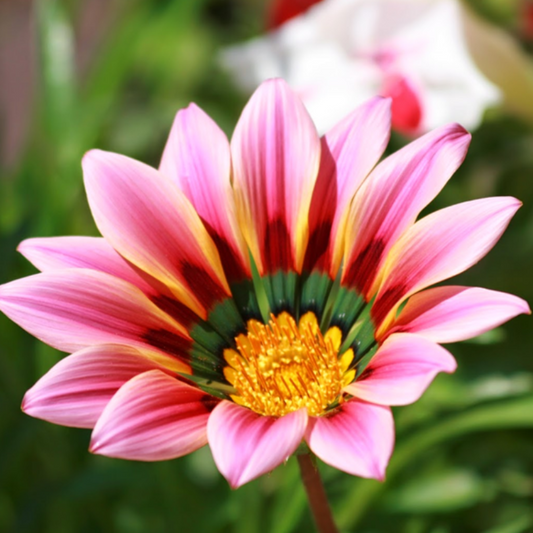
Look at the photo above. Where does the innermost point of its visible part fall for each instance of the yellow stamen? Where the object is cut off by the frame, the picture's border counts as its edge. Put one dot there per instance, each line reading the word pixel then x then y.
pixel 282 366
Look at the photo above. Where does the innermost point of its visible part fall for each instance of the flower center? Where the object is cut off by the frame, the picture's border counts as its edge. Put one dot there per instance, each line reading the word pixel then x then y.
pixel 281 367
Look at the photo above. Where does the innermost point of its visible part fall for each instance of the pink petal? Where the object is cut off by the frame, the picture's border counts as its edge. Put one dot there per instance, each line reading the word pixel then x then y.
pixel 246 445
pixel 76 308
pixel 76 390
pixel 197 158
pixel 401 370
pixel 55 253
pixel 391 198
pixel 452 314
pixel 275 152
pixel 349 152
pixel 357 439
pixel 440 246
pixel 153 417
pixel 145 217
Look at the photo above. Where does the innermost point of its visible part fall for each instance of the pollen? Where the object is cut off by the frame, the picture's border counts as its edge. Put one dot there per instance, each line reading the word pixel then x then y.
pixel 282 366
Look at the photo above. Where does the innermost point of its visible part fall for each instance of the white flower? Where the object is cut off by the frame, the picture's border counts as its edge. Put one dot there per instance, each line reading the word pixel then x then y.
pixel 341 52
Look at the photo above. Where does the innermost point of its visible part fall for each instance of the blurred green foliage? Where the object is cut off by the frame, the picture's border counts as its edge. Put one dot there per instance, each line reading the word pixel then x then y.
pixel 464 455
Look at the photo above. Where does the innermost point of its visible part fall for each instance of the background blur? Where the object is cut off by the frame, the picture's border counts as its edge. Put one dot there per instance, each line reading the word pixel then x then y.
pixel 111 74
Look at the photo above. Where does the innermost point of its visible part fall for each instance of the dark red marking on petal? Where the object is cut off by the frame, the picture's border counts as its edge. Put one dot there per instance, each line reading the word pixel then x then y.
pixel 157 286
pixel 283 10
pixel 209 402
pixel 233 268
pixel 322 211
pixel 367 372
pixel 277 248
pixel 203 286
pixel 362 271
pixel 316 257
pixel 178 311
pixel 386 302
pixel 169 342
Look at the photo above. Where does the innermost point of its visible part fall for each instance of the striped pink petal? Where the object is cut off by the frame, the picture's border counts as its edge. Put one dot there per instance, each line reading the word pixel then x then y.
pixel 401 370
pixel 357 439
pixel 197 158
pixel 452 314
pixel 275 153
pixel 349 152
pixel 391 198
pixel 440 246
pixel 246 445
pixel 76 308
pixel 55 253
pixel 146 218
pixel 153 417
pixel 76 390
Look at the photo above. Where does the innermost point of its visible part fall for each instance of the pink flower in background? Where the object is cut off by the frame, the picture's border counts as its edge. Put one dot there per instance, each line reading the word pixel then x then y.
pixel 246 294
pixel 339 53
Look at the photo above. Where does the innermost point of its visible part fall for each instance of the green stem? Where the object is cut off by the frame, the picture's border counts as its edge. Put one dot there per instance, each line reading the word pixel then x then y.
pixel 316 495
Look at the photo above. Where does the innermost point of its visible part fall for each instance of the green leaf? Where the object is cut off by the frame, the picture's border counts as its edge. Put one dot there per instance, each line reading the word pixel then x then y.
pixel 522 524
pixel 445 492
pixel 290 502
pixel 249 500
pixel 57 67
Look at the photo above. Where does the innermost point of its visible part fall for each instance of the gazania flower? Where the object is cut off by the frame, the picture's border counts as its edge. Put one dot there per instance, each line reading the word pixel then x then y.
pixel 250 295
pixel 338 53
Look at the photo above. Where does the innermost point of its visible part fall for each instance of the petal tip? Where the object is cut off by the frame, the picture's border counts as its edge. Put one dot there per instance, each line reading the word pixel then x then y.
pixel 457 134
pixel 522 307
pixel 238 481
pixel 93 161
pixel 25 405
pixel 379 472
pixel 191 109
pixel 99 446
pixel 458 129
pixel 382 478
pixel 509 206
pixel 90 156
pixel 450 366
pixel 275 84
pixel 23 245
pixel 95 447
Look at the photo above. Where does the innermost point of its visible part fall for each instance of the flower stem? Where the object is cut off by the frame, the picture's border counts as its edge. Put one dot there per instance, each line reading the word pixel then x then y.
pixel 316 495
